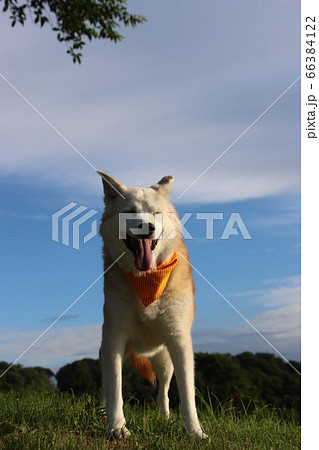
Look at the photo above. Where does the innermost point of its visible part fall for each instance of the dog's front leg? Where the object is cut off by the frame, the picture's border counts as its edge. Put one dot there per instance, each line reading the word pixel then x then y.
pixel 112 352
pixel 181 351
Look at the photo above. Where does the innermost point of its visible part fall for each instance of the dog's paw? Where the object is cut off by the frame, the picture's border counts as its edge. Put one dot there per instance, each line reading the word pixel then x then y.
pixel 196 434
pixel 199 435
pixel 120 433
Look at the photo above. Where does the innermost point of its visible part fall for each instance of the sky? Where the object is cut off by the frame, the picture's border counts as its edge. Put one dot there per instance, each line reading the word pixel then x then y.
pixel 169 99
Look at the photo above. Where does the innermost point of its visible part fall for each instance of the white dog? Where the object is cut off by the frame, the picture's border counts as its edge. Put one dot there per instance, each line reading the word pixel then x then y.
pixel 149 300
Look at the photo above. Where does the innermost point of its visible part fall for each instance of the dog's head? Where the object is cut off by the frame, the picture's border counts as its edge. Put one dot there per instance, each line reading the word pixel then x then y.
pixel 140 222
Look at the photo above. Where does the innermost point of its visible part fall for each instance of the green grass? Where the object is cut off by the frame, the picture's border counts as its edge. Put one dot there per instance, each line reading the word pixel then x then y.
pixel 60 421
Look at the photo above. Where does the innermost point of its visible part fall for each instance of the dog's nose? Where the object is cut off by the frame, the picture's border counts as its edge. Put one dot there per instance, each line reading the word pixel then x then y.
pixel 149 226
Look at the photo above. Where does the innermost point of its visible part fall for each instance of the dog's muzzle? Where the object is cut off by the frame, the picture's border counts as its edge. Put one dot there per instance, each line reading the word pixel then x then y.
pixel 142 246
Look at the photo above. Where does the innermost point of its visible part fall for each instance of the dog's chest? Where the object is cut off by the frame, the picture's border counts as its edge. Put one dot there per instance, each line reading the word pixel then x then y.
pixel 149 329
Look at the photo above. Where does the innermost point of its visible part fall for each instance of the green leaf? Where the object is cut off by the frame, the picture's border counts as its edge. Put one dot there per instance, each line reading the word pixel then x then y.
pixel 77 20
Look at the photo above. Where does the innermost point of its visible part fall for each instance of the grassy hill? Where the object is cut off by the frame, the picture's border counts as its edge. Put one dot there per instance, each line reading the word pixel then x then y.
pixel 62 421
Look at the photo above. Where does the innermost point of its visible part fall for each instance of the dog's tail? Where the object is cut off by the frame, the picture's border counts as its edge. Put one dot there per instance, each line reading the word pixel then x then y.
pixel 144 367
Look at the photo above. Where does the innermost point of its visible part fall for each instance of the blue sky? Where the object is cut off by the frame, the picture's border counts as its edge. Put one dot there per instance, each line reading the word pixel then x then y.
pixel 169 99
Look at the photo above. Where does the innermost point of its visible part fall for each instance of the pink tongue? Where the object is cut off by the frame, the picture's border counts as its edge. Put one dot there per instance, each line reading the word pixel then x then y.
pixel 143 259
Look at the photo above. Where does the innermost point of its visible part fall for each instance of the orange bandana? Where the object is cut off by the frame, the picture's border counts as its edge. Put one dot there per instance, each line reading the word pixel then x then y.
pixel 149 287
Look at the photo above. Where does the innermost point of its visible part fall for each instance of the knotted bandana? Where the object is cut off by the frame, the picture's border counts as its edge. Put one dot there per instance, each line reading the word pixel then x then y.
pixel 149 287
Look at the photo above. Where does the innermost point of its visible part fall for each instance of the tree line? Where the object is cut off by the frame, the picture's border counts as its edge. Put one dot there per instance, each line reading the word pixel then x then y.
pixel 246 380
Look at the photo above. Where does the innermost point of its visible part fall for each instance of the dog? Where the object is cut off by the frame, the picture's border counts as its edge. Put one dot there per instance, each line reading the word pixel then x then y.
pixel 149 300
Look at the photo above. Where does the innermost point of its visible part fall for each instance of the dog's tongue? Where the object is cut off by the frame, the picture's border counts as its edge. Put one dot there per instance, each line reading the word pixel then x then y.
pixel 143 258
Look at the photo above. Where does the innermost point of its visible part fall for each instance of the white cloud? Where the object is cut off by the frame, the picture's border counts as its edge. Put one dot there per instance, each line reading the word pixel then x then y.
pixel 286 291
pixel 280 324
pixel 286 216
pixel 145 110
pixel 57 347
pixel 123 140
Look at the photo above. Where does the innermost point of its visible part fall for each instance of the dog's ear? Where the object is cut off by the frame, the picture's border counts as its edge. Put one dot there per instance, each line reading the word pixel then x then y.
pixel 112 187
pixel 164 186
